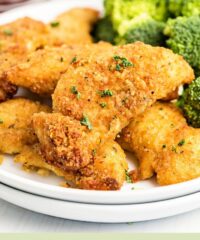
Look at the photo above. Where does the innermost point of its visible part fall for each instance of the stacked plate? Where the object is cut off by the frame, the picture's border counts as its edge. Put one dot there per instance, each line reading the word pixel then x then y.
pixel 134 202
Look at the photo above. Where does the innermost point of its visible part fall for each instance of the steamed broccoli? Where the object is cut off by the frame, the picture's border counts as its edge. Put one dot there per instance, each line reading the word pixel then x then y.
pixel 184 39
pixel 184 7
pixel 144 29
pixel 103 30
pixel 175 7
pixel 189 103
pixel 125 10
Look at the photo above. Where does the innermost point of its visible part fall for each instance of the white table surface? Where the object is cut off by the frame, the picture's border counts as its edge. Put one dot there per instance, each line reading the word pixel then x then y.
pixel 16 219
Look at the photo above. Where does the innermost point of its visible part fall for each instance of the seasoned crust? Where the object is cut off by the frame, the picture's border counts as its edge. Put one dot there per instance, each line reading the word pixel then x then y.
pixel 18 38
pixel 148 133
pixel 41 70
pixel 128 92
pixel 164 144
pixel 74 26
pixel 15 125
pixel 107 172
pixel 64 141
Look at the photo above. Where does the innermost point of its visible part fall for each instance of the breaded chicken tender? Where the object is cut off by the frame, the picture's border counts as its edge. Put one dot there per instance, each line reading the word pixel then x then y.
pixel 73 26
pixel 107 172
pixel 164 144
pixel 26 35
pixel 42 69
pixel 17 39
pixel 15 124
pixel 100 94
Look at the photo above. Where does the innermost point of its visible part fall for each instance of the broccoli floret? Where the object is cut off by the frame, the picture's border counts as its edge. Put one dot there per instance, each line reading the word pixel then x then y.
pixel 103 30
pixel 184 39
pixel 190 8
pixel 125 10
pixel 175 7
pixel 189 103
pixel 184 7
pixel 144 29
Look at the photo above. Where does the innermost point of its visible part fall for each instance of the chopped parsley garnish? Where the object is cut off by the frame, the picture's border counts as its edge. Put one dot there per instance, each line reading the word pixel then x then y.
pixel 1 121
pixel 181 143
pixel 174 149
pixel 86 122
pixel 106 93
pixel 75 91
pixel 164 146
pixel 55 24
pixel 122 62
pixel 128 178
pixel 62 59
pixel 103 105
pixel 74 59
pixel 94 151
pixel 8 32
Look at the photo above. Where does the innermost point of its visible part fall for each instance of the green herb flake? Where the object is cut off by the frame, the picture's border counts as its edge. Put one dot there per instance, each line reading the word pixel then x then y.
pixel 1 121
pixel 122 62
pixel 85 121
pixel 75 92
pixel 181 143
pixel 74 59
pixel 8 32
pixel 103 105
pixel 106 93
pixel 174 149
pixel 62 59
pixel 128 178
pixel 94 151
pixel 55 24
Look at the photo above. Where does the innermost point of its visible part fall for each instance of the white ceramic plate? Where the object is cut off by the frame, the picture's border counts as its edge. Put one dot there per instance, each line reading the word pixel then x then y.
pixel 11 174
pixel 100 213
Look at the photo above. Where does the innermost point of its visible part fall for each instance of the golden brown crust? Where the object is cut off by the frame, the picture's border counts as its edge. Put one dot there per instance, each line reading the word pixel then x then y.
pixel 15 124
pixel 133 89
pixel 164 144
pixel 17 39
pixel 42 69
pixel 107 172
pixel 26 35
pixel 74 26
pixel 64 141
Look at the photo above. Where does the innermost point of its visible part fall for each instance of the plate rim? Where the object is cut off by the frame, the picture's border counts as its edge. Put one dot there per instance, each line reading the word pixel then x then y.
pixel 100 213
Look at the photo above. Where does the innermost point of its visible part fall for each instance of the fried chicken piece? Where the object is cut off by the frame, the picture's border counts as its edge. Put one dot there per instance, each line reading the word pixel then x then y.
pixel 73 26
pixel 42 69
pixel 164 144
pixel 18 38
pixel 26 35
pixel 107 173
pixel 103 92
pixel 15 124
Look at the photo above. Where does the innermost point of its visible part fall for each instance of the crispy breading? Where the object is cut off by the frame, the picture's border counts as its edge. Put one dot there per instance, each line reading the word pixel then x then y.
pixel 18 38
pixel 15 124
pixel 107 172
pixel 104 92
pixel 164 144
pixel 42 69
pixel 73 26
pixel 31 160
pixel 26 35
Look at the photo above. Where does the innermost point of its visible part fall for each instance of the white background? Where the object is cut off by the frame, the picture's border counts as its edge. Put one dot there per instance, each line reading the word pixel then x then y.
pixel 15 219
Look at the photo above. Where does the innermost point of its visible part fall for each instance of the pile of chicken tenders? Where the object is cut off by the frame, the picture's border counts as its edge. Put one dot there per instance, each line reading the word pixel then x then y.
pixel 105 99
